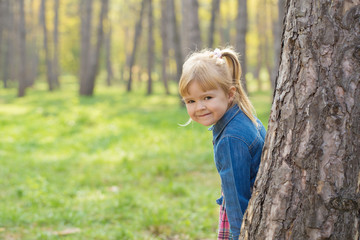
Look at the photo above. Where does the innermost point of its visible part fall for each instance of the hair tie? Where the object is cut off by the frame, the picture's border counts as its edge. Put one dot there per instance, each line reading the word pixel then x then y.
pixel 217 53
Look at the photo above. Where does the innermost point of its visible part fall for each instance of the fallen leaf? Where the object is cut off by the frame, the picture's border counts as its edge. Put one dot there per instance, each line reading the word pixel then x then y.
pixel 67 231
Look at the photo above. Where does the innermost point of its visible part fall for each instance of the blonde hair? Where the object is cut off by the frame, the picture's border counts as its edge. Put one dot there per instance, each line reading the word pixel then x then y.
pixel 213 70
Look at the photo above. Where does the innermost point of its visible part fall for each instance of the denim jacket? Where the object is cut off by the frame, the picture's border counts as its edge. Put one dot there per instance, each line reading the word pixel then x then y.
pixel 238 144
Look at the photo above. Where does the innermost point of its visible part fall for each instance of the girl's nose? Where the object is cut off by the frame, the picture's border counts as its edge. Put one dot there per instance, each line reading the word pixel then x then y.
pixel 200 106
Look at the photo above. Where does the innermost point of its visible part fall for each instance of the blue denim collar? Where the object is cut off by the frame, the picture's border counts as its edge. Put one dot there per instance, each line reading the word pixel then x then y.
pixel 223 122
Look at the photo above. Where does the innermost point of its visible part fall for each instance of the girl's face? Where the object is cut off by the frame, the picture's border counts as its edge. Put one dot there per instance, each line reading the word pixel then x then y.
pixel 207 107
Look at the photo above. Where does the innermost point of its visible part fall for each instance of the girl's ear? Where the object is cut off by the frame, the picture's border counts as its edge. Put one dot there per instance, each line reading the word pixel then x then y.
pixel 231 94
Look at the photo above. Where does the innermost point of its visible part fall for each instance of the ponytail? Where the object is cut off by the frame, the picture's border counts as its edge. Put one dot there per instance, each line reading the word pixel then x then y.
pixel 241 98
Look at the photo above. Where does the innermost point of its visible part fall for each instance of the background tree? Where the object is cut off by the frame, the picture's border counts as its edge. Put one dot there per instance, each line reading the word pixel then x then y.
pixel 22 47
pixel 165 44
pixel 175 38
pixel 48 58
pixel 55 59
pixel 277 30
pixel 138 29
pixel 87 88
pixel 241 31
pixel 85 54
pixel 215 7
pixel 308 182
pixel 191 36
pixel 150 61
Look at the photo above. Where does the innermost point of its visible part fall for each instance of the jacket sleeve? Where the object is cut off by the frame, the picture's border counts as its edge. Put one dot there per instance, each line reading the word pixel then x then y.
pixel 233 162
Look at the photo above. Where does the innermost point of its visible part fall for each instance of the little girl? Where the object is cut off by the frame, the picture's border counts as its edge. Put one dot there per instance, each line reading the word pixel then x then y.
pixel 211 89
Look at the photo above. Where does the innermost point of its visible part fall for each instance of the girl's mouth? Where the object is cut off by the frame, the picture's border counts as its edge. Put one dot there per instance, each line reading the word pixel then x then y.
pixel 204 115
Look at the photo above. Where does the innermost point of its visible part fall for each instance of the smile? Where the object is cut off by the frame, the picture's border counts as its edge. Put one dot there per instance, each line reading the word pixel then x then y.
pixel 204 115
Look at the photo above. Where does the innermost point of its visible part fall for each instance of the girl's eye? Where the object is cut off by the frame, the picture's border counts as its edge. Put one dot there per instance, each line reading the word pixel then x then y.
pixel 208 98
pixel 189 101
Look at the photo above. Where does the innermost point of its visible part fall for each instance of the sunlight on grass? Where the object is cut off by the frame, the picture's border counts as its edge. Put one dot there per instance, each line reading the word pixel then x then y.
pixel 113 166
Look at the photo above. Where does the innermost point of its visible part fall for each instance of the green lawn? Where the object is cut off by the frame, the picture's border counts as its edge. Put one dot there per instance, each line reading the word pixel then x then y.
pixel 114 166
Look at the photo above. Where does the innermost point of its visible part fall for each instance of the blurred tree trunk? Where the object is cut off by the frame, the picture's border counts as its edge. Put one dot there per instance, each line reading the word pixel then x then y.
pixel 191 26
pixel 8 28
pixel 277 30
pixel 2 20
pixel 150 47
pixel 109 70
pixel 261 36
pixel 241 31
pixel 22 48
pixel 138 29
pixel 165 45
pixel 88 90
pixel 33 45
pixel 85 51
pixel 56 45
pixel 215 6
pixel 308 183
pixel 48 59
pixel 175 38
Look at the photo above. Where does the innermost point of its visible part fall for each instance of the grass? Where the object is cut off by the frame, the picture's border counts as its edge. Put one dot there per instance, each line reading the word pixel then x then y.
pixel 114 166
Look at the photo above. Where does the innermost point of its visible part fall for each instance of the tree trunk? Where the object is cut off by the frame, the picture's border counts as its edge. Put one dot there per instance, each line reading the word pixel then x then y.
pixel 94 60
pixel 191 27
pixel 277 30
pixel 8 27
pixel 48 60
pixel 241 30
pixel 308 183
pixel 214 13
pixel 150 47
pixel 55 61
pixel 85 51
pixel 22 48
pixel 175 38
pixel 138 29
pixel 165 45
pixel 109 71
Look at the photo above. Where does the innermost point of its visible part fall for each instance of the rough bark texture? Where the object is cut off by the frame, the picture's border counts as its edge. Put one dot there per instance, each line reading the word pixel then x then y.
pixel 309 180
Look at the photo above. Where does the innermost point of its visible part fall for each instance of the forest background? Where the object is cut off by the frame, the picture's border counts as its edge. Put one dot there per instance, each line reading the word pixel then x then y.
pixel 88 151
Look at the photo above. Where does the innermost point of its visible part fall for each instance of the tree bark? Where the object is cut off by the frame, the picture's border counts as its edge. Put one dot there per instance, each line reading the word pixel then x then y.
pixel 308 183
pixel 165 45
pixel 22 47
pixel 241 31
pixel 215 6
pixel 175 38
pixel 48 59
pixel 150 47
pixel 138 29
